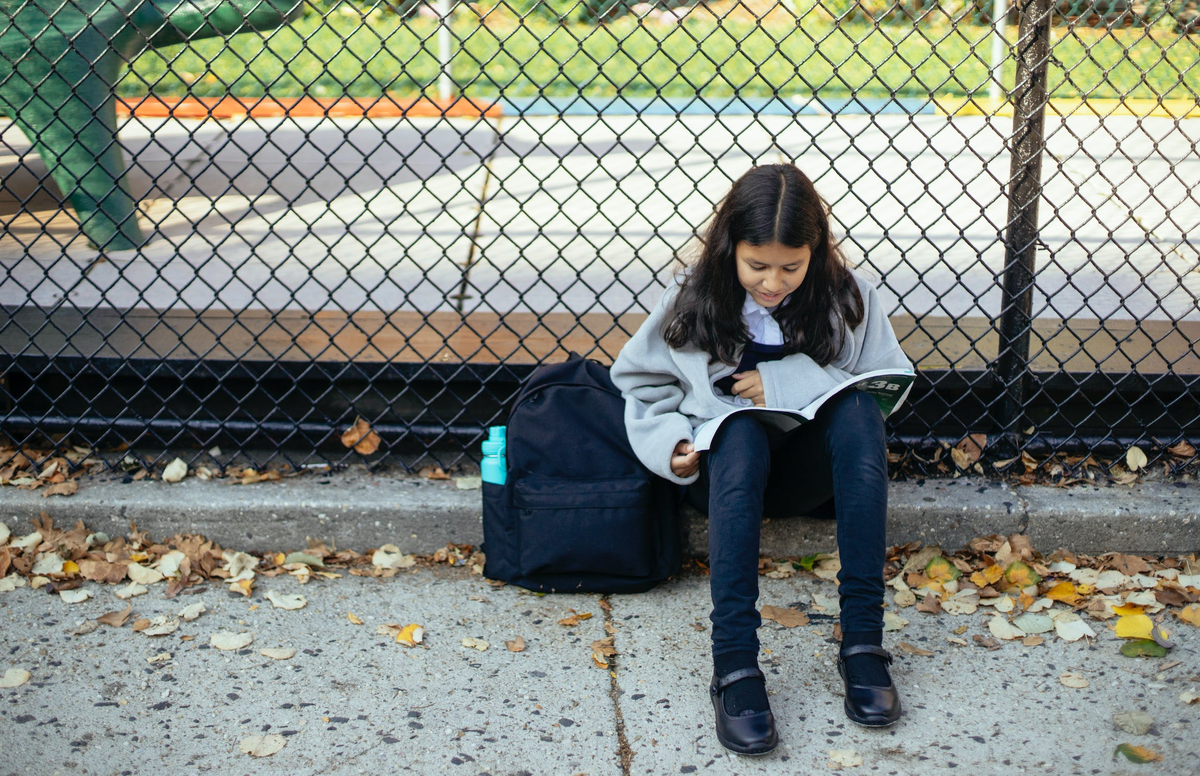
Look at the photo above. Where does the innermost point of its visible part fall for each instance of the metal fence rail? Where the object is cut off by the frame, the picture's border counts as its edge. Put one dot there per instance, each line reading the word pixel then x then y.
pixel 248 225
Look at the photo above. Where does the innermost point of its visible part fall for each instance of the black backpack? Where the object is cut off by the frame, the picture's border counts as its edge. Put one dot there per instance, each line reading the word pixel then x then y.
pixel 578 512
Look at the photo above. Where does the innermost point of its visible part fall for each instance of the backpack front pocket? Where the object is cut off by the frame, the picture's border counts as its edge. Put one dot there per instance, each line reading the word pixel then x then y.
pixel 588 526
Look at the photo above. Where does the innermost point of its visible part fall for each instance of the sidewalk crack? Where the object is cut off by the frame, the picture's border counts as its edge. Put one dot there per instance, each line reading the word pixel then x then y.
pixel 614 691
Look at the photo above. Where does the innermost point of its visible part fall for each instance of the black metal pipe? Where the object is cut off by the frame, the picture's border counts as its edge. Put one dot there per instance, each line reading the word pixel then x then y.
pixel 1026 147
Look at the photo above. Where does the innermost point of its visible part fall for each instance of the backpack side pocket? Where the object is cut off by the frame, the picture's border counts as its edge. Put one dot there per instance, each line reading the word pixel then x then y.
pixel 499 533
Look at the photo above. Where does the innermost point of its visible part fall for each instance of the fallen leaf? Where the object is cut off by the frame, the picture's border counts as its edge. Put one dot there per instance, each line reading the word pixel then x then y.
pixel 1065 592
pixel 101 571
pixel 1072 679
pixel 574 618
pixel 958 641
pixel 1143 648
pixel 941 570
pixel 1034 623
pixel 278 654
pixel 14 677
pixel 1134 626
pixel 1020 575
pixel 354 619
pixel 1070 627
pixel 605 647
pixel 988 576
pixel 283 601
pixel 1033 641
pixel 161 657
pixel 1190 614
pixel 474 643
pixel 904 646
pixel 193 611
pixel 1135 459
pixel 361 437
pixel 930 604
pixel 1136 754
pixel 409 635
pixel 844 758
pixel 1134 722
pixel 175 471
pixel 162 625
pixel 468 483
pixel 305 558
pixel 67 488
pixel 262 746
pixel 1189 696
pixel 389 557
pixel 827 604
pixel 515 645
pixel 115 619
pixel 788 618
pixel 893 621
pixel 142 575
pixel 905 598
pixel 78 595
pixel 231 641
pixel 432 472
pixel 1001 628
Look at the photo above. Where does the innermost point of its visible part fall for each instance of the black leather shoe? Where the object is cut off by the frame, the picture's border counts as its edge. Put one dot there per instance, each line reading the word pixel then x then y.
pixel 750 734
pixel 870 706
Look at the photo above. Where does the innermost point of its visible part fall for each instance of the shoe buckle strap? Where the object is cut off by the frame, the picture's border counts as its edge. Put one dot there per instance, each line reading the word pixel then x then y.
pixel 866 649
pixel 737 676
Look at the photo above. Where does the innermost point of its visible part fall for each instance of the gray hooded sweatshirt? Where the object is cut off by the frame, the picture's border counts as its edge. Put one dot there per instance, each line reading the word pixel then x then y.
pixel 669 391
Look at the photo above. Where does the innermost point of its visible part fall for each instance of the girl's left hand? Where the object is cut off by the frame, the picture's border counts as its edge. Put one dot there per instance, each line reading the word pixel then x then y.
pixel 749 386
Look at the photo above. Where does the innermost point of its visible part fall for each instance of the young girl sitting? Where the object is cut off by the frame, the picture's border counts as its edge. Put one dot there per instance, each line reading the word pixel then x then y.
pixel 769 314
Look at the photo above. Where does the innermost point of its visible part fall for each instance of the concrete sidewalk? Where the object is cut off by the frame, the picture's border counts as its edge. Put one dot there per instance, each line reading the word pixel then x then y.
pixel 356 509
pixel 114 701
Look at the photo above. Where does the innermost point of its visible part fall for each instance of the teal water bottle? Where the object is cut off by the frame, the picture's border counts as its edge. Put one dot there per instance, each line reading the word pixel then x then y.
pixel 494 467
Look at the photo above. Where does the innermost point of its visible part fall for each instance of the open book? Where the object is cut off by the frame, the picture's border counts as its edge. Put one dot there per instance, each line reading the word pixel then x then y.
pixel 889 387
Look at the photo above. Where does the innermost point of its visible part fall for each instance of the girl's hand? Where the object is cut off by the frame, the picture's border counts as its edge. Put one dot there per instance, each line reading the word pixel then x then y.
pixel 685 461
pixel 749 386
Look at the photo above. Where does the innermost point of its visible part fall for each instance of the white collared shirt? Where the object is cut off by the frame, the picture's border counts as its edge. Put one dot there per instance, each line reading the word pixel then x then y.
pixel 763 328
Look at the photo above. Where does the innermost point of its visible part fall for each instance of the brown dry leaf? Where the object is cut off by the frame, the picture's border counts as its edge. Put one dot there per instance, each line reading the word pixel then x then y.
pixel 515 645
pixel 904 646
pixel 432 472
pixel 1182 450
pixel 116 618
pixel 67 488
pixel 970 448
pixel 788 618
pixel 102 571
pixel 931 604
pixel 1032 641
pixel 574 618
pixel 354 619
pixel 604 647
pixel 1128 564
pixel 141 624
pixel 361 437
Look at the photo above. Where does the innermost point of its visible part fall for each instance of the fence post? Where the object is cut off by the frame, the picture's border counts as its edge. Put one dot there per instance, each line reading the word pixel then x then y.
pixel 1021 233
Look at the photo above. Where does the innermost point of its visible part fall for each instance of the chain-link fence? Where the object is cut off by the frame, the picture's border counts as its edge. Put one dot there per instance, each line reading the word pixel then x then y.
pixel 247 223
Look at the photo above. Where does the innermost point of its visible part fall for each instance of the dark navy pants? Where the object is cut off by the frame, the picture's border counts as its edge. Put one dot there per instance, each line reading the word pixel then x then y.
pixel 834 466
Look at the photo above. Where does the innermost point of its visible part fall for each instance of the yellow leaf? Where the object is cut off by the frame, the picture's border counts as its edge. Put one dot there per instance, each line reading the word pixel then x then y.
pixel 280 558
pixel 988 576
pixel 1134 626
pixel 242 586
pixel 352 617
pixel 70 567
pixel 1127 609
pixel 1063 591
pixel 1020 575
pixel 1190 614
pixel 941 570
pixel 138 557
pixel 411 635
pixel 1026 600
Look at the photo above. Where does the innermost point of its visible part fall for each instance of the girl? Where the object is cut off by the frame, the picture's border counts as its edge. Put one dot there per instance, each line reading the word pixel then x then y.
pixel 770 315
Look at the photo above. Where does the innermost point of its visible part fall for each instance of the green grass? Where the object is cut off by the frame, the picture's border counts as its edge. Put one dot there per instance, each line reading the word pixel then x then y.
pixel 343 55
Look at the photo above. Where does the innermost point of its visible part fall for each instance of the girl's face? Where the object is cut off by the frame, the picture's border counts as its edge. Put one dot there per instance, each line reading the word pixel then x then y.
pixel 770 272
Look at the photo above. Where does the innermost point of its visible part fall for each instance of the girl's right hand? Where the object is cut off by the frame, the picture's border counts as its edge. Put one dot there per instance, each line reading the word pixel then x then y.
pixel 685 461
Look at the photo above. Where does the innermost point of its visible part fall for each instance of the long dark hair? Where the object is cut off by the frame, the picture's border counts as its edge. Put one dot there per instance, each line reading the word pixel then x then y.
pixel 774 203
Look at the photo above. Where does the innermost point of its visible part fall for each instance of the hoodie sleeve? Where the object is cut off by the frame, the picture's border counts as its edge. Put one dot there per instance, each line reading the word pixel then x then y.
pixel 643 372
pixel 795 381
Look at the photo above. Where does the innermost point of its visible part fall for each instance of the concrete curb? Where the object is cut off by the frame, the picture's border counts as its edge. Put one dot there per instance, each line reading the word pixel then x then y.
pixel 360 511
